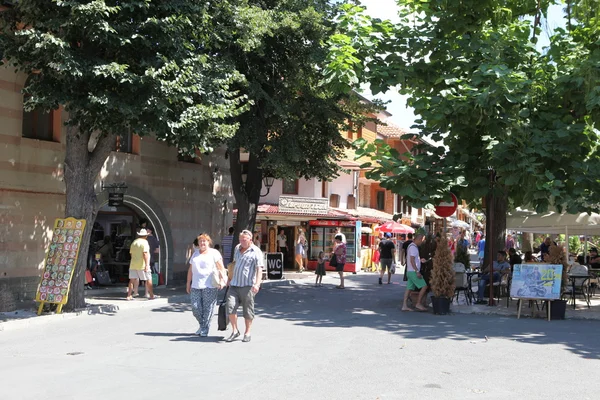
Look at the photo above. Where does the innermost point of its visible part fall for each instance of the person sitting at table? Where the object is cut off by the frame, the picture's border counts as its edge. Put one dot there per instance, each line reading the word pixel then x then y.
pixel 500 267
pixel 529 258
pixel 594 259
pixel 513 258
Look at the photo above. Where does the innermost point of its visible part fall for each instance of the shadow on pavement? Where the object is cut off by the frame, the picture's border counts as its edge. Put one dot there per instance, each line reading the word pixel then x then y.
pixel 174 307
pixel 366 304
pixel 184 337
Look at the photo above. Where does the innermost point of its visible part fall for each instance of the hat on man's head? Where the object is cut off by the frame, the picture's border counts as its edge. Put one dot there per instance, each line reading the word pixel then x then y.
pixel 595 250
pixel 388 235
pixel 142 232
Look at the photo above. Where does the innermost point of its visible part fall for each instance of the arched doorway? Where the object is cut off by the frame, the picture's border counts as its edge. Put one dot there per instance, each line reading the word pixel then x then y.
pixel 137 205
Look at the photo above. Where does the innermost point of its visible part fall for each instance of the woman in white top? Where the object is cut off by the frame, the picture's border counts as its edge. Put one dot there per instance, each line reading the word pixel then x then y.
pixel 206 269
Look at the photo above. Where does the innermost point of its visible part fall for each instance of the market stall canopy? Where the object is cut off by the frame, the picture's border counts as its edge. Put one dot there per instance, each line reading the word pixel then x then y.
pixel 395 227
pixel 553 222
pixel 457 223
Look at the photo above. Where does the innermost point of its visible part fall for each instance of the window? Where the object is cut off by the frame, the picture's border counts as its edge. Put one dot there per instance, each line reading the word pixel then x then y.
pixel 381 199
pixel 38 125
pixel 124 143
pixel 290 186
pixel 403 207
pixel 324 189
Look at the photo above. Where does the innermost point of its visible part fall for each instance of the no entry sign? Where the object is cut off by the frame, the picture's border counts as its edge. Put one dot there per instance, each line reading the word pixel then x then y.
pixel 446 209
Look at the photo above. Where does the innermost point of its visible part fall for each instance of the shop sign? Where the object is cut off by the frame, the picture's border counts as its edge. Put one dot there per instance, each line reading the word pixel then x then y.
pixel 115 199
pixel 304 205
pixel 274 263
pixel 324 223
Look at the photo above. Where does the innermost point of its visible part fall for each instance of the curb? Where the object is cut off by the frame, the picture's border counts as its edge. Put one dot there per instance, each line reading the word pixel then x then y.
pixel 99 307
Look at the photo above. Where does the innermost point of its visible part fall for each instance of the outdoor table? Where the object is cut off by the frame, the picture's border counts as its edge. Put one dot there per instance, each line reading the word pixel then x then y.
pixel 470 275
pixel 573 278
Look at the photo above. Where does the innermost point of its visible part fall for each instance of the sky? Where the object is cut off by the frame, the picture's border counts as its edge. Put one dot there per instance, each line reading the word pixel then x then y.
pixel 387 9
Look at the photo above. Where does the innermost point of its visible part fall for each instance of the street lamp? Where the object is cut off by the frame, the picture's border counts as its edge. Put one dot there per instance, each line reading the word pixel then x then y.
pixel 267 180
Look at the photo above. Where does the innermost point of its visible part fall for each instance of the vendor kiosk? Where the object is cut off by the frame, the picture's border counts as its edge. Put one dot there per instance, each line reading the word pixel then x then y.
pixel 321 234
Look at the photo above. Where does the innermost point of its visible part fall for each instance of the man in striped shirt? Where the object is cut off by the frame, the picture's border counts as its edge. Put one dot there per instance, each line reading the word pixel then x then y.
pixel 247 275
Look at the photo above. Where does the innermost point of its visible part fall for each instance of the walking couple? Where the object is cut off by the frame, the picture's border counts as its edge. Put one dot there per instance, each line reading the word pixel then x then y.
pixel 207 274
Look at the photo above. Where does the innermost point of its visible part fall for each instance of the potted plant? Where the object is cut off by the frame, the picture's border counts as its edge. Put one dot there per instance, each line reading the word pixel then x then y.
pixel 442 278
pixel 557 256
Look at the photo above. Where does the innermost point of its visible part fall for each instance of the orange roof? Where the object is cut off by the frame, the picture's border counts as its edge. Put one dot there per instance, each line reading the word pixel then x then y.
pixel 391 130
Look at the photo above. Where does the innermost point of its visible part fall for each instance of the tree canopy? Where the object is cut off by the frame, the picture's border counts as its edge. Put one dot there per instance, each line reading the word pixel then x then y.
pixel 477 81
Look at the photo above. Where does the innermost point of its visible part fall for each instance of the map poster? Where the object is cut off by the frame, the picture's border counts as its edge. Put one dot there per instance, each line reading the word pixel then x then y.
pixel 536 281
pixel 60 261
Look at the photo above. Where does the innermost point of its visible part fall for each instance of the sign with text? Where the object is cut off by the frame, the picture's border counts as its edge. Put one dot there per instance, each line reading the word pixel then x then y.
pixel 536 281
pixel 115 199
pixel 60 262
pixel 274 263
pixel 303 205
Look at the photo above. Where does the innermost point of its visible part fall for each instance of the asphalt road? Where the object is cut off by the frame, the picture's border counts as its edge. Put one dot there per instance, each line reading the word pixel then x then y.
pixel 308 343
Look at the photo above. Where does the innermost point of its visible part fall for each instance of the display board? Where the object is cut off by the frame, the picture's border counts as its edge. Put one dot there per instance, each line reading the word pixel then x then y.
pixel 60 262
pixel 536 281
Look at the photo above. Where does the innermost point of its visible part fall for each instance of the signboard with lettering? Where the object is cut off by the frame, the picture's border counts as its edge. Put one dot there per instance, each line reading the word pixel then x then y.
pixel 274 262
pixel 303 205
pixel 60 262
pixel 115 199
pixel 536 281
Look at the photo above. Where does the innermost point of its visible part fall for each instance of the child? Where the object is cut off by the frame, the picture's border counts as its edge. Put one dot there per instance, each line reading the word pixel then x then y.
pixel 320 272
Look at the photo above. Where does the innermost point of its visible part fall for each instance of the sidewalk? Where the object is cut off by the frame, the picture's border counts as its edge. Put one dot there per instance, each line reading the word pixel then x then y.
pixel 110 300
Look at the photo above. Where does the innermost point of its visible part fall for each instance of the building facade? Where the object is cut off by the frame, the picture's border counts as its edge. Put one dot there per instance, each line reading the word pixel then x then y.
pixel 177 196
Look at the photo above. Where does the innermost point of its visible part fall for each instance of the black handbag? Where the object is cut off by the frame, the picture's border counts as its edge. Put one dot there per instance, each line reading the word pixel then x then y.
pixel 333 261
pixel 223 320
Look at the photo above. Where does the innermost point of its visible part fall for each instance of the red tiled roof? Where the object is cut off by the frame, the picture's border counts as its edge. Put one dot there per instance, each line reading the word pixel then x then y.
pixel 391 130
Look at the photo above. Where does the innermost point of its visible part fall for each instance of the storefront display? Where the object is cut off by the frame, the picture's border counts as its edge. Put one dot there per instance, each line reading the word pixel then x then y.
pixel 60 262
pixel 321 235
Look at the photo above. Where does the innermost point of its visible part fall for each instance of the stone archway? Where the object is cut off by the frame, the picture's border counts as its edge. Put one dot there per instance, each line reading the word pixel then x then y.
pixel 145 205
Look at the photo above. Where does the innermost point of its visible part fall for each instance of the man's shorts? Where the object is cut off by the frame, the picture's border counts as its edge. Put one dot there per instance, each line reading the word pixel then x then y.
pixel 140 274
pixel 241 295
pixel 386 263
pixel 415 282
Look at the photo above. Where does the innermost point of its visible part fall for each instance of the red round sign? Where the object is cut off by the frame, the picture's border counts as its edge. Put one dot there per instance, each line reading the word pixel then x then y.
pixel 446 209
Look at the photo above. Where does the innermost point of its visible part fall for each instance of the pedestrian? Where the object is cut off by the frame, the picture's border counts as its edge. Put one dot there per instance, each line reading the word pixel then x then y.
pixel 481 250
pixel 205 263
pixel 227 243
pixel 282 245
pixel 387 251
pixel 320 272
pixel 139 267
pixel 245 284
pixel 510 242
pixel 414 277
pixel 154 250
pixel 339 232
pixel 338 257
pixel 403 261
pixel 300 252
pixel 377 254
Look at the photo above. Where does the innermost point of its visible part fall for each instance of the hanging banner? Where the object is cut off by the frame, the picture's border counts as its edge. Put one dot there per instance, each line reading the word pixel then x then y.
pixel 60 262
pixel 536 281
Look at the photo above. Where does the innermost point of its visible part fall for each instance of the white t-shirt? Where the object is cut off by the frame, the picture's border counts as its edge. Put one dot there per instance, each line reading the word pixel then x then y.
pixel 413 251
pixel 203 266
pixel 282 240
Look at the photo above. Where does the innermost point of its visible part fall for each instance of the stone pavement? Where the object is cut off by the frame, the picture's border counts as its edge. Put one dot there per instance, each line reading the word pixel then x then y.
pixel 112 300
pixel 308 343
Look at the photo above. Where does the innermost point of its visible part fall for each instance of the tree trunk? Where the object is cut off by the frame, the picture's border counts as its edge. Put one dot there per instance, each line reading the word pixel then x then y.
pixel 247 196
pixel 527 244
pixel 495 229
pixel 82 166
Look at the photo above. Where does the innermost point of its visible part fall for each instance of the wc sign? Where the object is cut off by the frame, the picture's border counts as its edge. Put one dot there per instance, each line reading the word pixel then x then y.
pixel 274 265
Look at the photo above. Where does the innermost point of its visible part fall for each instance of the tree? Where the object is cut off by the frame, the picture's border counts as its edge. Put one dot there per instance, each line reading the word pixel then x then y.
pixel 292 127
pixel 118 67
pixel 518 125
